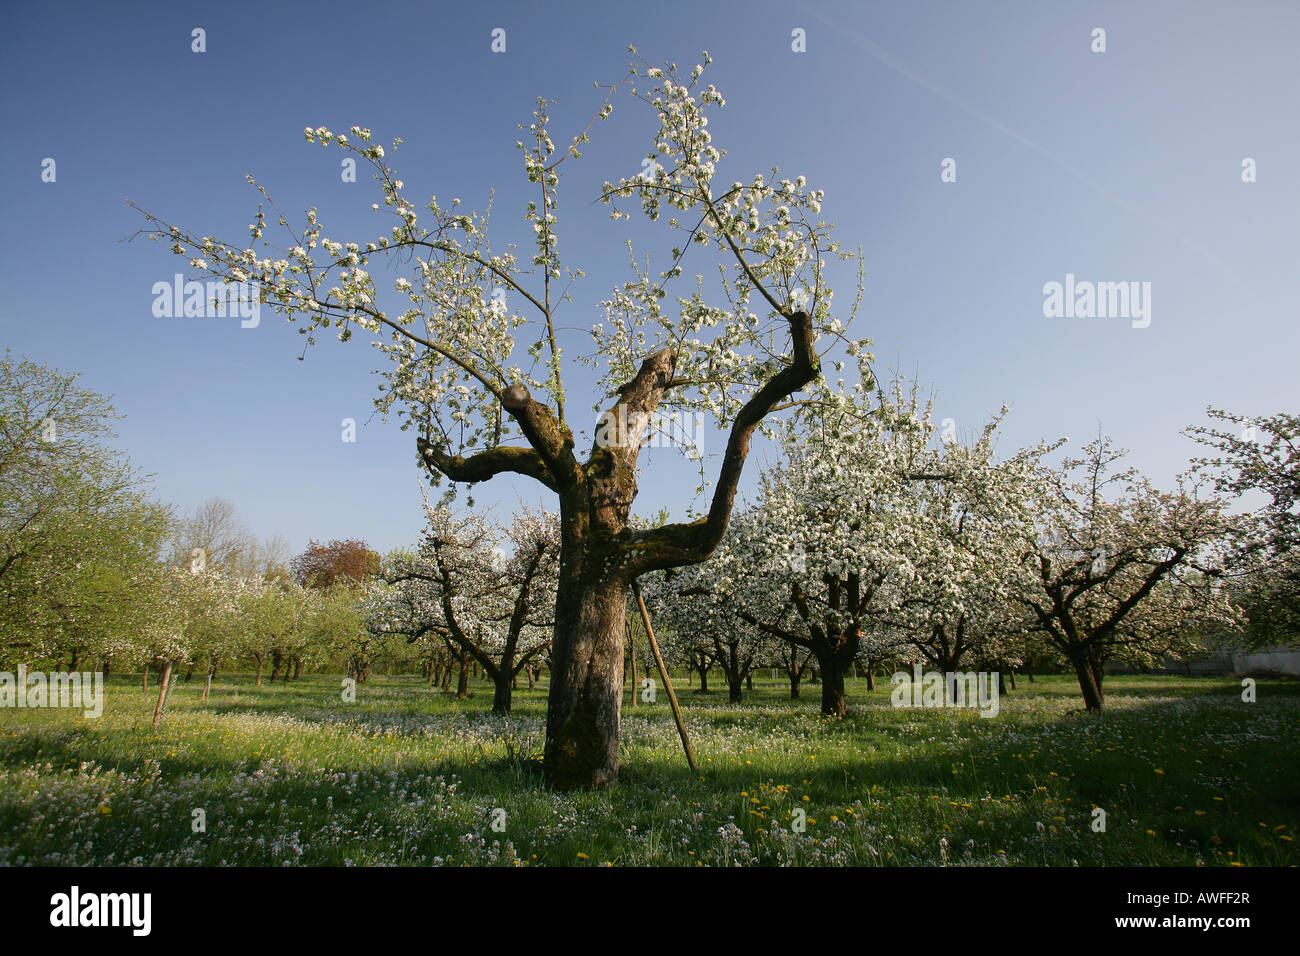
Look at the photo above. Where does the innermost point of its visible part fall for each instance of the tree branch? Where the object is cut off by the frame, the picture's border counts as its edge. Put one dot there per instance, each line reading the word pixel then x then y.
pixel 689 543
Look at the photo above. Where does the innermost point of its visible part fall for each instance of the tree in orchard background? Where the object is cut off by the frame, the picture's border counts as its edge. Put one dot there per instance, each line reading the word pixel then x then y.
pixel 272 614
pixel 214 535
pixel 1120 569
pixel 339 562
pixel 342 573
pixel 1261 457
pixel 164 639
pixel 463 357
pixel 695 610
pixel 976 513
pixel 78 532
pixel 826 555
pixel 214 623
pixel 332 630
pixel 460 587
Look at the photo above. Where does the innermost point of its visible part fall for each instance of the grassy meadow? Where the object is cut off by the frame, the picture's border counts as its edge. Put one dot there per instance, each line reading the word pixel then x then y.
pixel 1187 773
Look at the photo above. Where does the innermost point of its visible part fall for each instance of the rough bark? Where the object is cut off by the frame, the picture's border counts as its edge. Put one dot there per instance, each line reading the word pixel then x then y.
pixel 586 679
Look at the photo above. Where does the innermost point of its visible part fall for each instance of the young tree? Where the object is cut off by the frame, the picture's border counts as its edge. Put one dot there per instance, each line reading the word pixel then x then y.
pixel 272 614
pixel 459 378
pixel 332 628
pixel 795 663
pixel 190 611
pixel 1131 575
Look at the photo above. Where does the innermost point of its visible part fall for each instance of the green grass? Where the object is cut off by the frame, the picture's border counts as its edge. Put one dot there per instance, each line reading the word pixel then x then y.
pixel 1187 774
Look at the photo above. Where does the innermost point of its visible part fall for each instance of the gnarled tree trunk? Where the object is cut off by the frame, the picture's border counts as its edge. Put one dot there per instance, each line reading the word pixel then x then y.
pixel 586 676
pixel 600 555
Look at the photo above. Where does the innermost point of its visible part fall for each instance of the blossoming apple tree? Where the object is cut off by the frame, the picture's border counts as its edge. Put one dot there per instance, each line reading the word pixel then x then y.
pixel 462 588
pixel 1120 569
pixel 1260 457
pixel 463 356
pixel 827 552
pixel 977 512
pixel 696 608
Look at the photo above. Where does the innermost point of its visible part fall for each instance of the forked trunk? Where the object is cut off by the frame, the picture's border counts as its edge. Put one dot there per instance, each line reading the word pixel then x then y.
pixel 596 570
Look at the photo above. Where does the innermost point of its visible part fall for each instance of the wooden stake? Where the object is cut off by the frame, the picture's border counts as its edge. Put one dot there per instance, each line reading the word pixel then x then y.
pixel 663 675
pixel 631 650
pixel 162 692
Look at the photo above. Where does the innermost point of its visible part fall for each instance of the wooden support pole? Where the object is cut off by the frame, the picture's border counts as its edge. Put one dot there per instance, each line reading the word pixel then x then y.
pixel 631 651
pixel 663 675
pixel 163 684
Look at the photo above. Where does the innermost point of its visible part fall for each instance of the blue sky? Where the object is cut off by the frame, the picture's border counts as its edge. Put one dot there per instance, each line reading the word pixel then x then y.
pixel 1115 166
